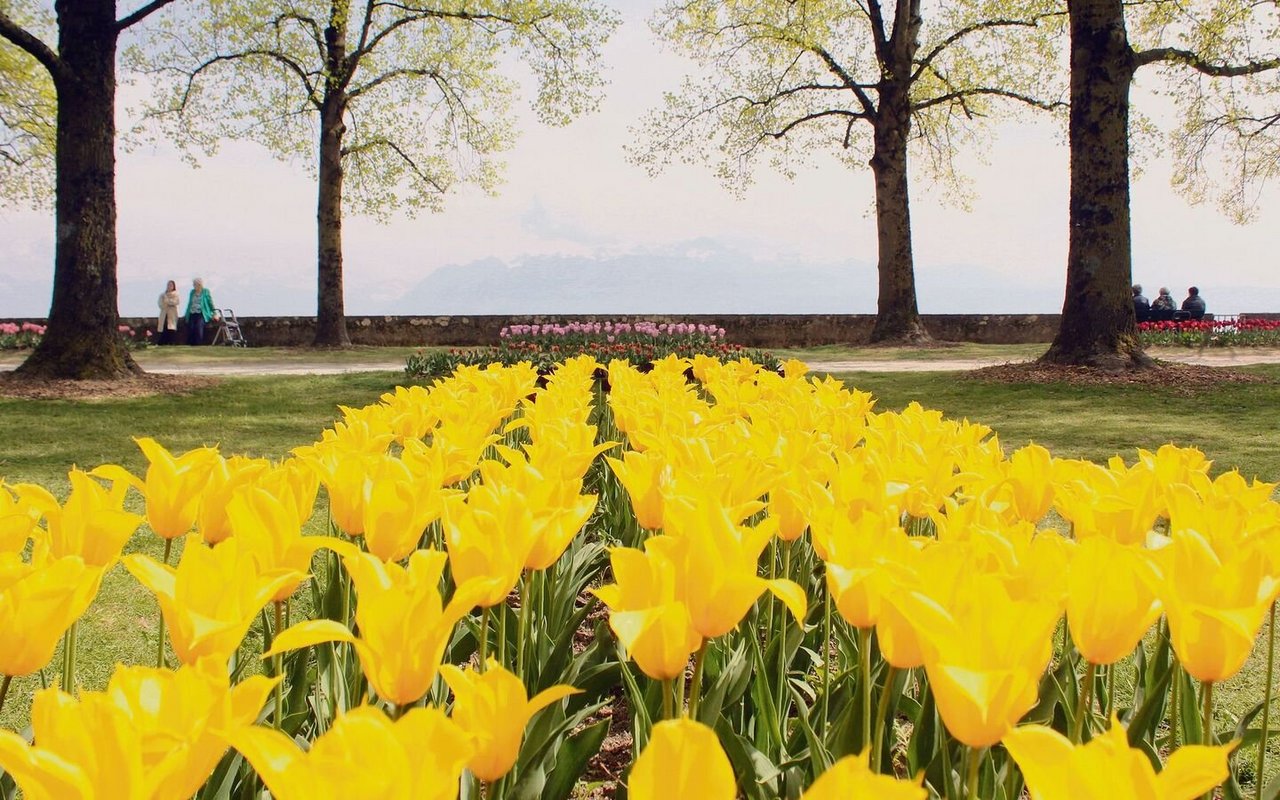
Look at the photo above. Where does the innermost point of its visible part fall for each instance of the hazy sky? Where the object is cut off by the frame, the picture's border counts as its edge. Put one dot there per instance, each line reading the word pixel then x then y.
pixel 246 223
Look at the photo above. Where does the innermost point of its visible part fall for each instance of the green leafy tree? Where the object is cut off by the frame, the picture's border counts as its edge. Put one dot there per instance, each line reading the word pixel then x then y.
pixel 873 81
pixel 81 339
pixel 28 111
pixel 403 100
pixel 1206 53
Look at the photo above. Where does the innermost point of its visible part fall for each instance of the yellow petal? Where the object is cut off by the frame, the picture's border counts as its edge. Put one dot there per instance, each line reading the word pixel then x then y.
pixel 792 595
pixel 1193 770
pixel 1044 756
pixel 683 759
pixel 306 634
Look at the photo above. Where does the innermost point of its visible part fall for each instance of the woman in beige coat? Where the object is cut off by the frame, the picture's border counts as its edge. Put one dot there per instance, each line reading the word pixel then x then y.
pixel 167 324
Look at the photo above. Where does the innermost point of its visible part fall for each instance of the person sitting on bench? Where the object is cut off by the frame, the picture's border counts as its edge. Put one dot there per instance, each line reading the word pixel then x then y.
pixel 1194 304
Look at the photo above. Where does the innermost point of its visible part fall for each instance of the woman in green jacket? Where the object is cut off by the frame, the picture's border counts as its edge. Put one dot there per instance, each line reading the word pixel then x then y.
pixel 199 312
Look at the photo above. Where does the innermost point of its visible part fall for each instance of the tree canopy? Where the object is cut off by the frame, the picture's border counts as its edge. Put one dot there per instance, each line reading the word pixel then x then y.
pixel 28 111
pixel 780 81
pixel 403 100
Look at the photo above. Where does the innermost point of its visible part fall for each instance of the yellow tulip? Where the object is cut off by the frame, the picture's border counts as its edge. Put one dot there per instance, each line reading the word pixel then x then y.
pixel 411 413
pixel 643 475
pixel 172 485
pixel 561 448
pixel 557 510
pixel 364 754
pixel 682 759
pixel 494 708
pixel 1227 511
pixel 1118 503
pixel 1108 769
pixel 856 485
pixel 403 622
pixel 211 598
pixel 398 506
pixel 344 470
pixel 225 477
pixel 92 524
pixel 152 734
pixel 18 520
pixel 294 481
pixel 850 778
pixel 1029 477
pixel 490 536
pixel 1111 599
pixel 38 603
pixel 715 563
pixel 182 717
pixel 653 626
pixel 862 559
pixel 269 529
pixel 1215 606
pixel 984 655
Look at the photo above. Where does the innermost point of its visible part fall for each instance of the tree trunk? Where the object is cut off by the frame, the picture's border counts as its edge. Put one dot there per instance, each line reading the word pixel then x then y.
pixel 331 317
pixel 1098 324
pixel 82 340
pixel 331 320
pixel 897 315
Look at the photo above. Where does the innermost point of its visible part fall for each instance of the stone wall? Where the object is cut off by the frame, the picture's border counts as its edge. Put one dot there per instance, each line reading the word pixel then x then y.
pixel 752 330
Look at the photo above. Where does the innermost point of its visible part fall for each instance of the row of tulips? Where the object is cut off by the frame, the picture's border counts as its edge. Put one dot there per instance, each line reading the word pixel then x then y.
pixel 804 598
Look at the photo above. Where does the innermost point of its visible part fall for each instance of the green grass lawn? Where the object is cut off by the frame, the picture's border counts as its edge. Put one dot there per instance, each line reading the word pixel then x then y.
pixel 1236 425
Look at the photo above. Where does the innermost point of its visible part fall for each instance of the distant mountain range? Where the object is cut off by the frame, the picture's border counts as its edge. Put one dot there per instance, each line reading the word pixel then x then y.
pixel 708 281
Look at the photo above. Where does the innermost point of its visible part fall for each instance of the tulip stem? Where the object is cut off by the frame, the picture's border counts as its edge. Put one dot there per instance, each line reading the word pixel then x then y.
pixel 1206 690
pixel 882 711
pixel 279 669
pixel 667 698
pixel 1206 693
pixel 69 657
pixel 501 645
pixel 1175 706
pixel 522 625
pixel 1111 690
pixel 782 637
pixel 168 546
pixel 484 637
pixel 772 601
pixel 695 691
pixel 826 653
pixel 975 765
pixel 864 655
pixel 4 689
pixel 1266 705
pixel 946 753
pixel 1084 708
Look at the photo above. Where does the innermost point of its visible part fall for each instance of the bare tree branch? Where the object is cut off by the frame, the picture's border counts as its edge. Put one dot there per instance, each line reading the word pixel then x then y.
pixel 868 107
pixel 142 13
pixel 272 55
pixel 389 76
pixel 960 96
pixel 1195 61
pixel 833 112
pixel 967 30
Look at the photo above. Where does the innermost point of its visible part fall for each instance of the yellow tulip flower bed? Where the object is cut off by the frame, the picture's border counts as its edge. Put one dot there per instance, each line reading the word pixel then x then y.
pixel 775 590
